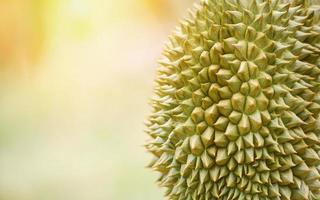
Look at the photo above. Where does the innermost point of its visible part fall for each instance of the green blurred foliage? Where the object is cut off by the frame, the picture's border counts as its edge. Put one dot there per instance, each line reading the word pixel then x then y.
pixel 75 82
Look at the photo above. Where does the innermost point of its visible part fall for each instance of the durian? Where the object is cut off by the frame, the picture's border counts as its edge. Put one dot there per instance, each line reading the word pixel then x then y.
pixel 236 110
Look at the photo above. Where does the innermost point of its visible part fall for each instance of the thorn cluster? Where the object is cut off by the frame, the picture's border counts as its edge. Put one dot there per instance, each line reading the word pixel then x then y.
pixel 236 112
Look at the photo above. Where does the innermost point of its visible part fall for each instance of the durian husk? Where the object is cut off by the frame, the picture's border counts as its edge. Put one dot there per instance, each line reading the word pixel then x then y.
pixel 236 107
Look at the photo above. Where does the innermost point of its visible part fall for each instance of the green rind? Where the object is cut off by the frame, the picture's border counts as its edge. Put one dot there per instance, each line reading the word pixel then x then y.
pixel 236 112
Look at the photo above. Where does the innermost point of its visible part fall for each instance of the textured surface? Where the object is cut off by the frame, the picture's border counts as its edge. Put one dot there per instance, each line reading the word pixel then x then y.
pixel 236 111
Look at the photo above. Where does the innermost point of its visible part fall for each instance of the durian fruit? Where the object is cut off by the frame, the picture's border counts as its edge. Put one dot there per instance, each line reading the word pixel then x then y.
pixel 236 112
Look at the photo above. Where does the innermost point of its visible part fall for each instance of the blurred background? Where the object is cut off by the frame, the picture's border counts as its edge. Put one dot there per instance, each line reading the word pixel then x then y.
pixel 75 80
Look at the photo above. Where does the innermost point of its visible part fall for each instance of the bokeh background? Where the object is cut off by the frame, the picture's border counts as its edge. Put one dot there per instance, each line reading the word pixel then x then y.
pixel 75 80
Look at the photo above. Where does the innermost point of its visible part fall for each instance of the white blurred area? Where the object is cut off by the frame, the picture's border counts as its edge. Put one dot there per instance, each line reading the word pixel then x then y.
pixel 72 128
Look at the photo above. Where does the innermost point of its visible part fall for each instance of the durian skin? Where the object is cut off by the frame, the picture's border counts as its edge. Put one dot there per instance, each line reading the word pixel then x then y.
pixel 236 112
